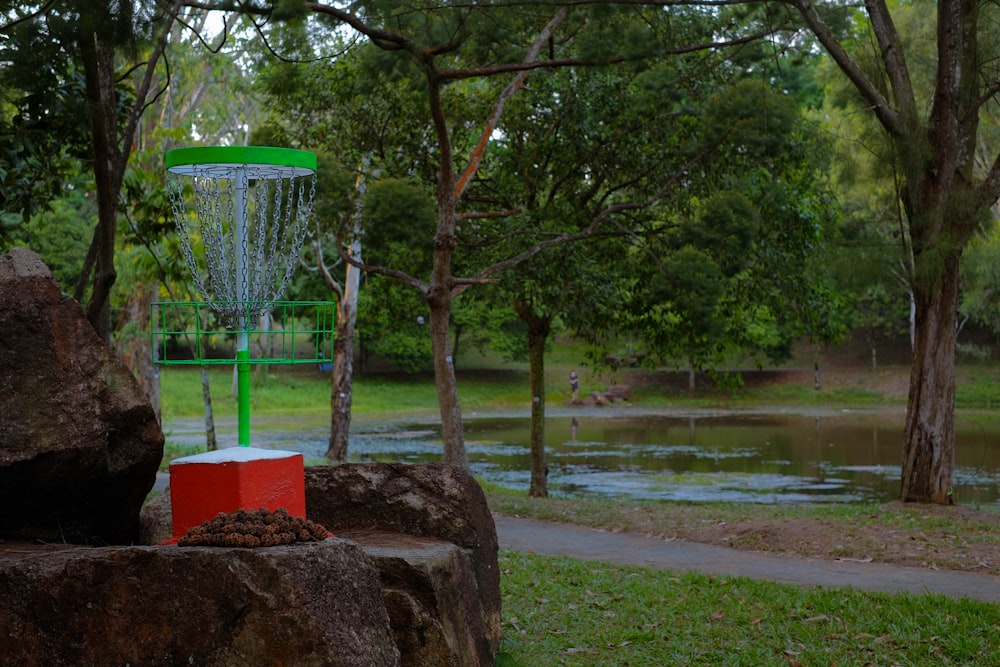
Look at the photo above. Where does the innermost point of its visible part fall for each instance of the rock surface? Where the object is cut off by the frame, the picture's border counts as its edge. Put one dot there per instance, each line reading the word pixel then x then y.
pixel 619 392
pixel 304 604
pixel 79 442
pixel 449 586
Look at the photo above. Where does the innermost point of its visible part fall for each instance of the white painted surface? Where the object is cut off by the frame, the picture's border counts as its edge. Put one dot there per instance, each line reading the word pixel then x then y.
pixel 234 455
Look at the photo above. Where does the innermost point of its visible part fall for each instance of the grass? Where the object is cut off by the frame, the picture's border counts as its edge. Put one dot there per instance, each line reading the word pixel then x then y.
pixel 645 516
pixel 561 611
pixel 304 390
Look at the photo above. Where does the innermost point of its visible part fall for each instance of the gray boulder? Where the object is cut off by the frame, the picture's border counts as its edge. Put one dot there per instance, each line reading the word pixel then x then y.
pixel 79 442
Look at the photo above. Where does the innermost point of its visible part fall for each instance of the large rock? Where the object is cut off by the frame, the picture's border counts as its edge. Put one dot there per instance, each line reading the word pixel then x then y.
pixel 432 538
pixel 449 591
pixel 79 442
pixel 433 600
pixel 619 392
pixel 314 604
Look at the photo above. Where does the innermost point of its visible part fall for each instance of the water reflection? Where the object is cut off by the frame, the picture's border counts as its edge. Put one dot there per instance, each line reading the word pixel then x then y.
pixel 741 458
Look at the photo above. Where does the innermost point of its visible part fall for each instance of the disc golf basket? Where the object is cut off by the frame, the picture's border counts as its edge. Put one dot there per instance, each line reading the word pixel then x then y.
pixel 241 213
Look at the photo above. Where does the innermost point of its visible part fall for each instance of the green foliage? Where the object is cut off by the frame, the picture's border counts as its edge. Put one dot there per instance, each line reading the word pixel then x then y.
pixel 980 275
pixel 392 324
pixel 689 287
pixel 61 235
pixel 740 267
pixel 399 221
pixel 726 228
pixel 490 325
pixel 44 123
pixel 752 120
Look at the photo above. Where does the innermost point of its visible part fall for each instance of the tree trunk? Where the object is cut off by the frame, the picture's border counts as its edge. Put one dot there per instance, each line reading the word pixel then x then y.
pixel 342 383
pixel 929 433
pixel 438 292
pixel 99 69
pixel 452 430
pixel 211 442
pixel 134 347
pixel 538 333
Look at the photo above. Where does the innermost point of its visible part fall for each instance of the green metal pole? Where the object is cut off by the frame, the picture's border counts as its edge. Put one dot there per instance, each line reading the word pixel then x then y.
pixel 242 258
pixel 243 395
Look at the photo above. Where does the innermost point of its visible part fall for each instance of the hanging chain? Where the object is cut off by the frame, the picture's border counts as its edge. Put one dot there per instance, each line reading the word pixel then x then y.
pixel 175 189
pixel 272 245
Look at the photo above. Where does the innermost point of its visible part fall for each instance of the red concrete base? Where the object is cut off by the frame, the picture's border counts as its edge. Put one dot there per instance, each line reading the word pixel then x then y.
pixel 205 485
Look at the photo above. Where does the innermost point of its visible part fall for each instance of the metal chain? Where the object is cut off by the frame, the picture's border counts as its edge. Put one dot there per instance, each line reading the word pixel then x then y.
pixel 272 245
pixel 175 189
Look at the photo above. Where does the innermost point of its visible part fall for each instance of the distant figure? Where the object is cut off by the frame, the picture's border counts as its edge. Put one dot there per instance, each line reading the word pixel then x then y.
pixel 574 384
pixel 574 425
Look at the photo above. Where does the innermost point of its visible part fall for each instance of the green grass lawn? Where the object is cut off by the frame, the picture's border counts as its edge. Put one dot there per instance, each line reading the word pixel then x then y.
pixel 561 611
pixel 487 383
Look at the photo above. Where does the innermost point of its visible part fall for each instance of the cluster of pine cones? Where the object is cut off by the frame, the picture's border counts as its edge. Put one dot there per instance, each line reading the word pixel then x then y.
pixel 253 528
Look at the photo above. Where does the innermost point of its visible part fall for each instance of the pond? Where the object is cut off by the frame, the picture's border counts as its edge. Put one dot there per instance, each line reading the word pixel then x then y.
pixel 829 456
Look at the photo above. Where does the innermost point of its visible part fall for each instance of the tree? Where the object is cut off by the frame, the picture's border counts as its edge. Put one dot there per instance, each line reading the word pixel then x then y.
pixel 351 119
pixel 97 34
pixel 186 107
pixel 582 148
pixel 464 49
pixel 735 272
pixel 933 133
pixel 462 56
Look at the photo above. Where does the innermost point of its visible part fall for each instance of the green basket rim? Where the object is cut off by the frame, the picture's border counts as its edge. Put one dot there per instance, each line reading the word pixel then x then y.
pixel 193 160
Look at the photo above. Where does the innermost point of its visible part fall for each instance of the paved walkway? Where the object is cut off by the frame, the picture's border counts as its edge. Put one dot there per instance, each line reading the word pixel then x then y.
pixel 557 539
pixel 554 539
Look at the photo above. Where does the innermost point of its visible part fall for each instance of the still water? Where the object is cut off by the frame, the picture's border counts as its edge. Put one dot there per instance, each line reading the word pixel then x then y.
pixel 742 457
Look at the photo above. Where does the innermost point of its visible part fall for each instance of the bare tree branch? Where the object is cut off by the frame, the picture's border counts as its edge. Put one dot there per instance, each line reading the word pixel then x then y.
pixel 880 105
pixel 491 122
